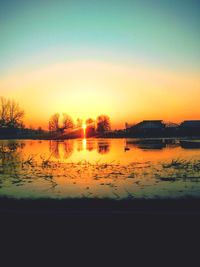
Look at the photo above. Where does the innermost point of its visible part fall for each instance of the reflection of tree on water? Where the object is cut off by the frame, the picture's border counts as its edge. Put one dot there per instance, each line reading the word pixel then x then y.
pixel 67 146
pixel 90 145
pixel 145 144
pixel 10 156
pixel 85 144
pixel 103 147
pixel 11 146
pixel 54 149
pixel 10 150
pixel 79 145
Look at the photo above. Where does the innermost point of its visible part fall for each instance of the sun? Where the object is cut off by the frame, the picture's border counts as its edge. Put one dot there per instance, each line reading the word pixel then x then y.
pixel 84 126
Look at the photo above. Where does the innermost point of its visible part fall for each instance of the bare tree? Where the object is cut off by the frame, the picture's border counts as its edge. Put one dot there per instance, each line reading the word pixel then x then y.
pixel 4 111
pixel 11 115
pixel 54 123
pixel 89 122
pixel 67 122
pixel 103 124
pixel 90 127
pixel 16 114
pixel 79 123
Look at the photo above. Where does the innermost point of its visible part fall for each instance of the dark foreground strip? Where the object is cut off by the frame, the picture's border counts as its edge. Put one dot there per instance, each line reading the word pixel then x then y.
pixel 99 206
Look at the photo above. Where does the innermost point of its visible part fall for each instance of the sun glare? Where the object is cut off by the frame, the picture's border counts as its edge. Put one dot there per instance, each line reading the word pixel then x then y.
pixel 84 126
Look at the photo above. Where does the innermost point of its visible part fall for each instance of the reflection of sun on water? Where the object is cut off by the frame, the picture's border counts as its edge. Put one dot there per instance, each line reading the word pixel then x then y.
pixel 84 143
pixel 141 171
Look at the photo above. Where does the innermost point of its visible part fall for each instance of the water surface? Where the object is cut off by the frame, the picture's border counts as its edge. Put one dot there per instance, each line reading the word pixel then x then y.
pixel 99 168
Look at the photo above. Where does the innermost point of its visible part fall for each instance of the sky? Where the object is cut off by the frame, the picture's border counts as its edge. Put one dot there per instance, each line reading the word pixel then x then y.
pixel 130 59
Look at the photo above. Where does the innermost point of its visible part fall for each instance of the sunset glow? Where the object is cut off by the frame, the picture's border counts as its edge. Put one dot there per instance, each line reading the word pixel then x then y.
pixel 131 60
pixel 84 126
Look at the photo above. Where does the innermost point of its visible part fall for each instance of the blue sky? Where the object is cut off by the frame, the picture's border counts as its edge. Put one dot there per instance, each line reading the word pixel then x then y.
pixel 162 33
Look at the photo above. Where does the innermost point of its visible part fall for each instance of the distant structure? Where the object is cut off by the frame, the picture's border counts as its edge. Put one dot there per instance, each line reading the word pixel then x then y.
pixel 129 125
pixel 149 124
pixel 171 129
pixel 147 128
pixel 190 128
pixel 171 124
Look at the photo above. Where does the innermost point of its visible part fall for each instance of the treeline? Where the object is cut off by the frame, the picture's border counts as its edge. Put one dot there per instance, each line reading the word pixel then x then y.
pixel 12 122
pixel 59 126
pixel 65 125
pixel 11 118
pixel 11 115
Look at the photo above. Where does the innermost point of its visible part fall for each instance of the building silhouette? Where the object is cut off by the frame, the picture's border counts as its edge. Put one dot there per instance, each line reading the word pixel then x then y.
pixel 147 128
pixel 190 128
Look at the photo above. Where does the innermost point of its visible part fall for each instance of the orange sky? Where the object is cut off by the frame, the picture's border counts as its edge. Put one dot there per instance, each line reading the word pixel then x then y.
pixel 127 93
pixel 129 60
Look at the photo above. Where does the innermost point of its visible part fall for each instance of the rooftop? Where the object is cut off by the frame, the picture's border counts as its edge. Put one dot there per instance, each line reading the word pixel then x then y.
pixel 150 124
pixel 191 123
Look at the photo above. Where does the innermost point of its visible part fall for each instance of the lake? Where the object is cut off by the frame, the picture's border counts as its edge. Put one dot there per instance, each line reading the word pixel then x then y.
pixel 99 168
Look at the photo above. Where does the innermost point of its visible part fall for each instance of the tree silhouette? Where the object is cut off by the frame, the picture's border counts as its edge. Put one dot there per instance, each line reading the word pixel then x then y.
pixel 79 123
pixel 89 122
pixel 11 115
pixel 54 123
pixel 67 122
pixel 103 124
pixel 90 127
pixel 4 112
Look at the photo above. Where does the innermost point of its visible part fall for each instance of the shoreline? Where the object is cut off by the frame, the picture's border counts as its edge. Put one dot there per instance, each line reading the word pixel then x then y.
pixel 104 137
